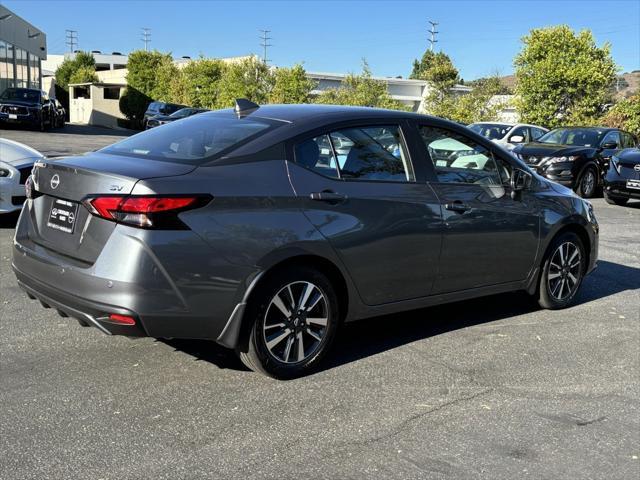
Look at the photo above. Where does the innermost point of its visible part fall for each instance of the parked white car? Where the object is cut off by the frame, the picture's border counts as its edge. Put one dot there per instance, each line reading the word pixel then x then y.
pixel 508 134
pixel 16 162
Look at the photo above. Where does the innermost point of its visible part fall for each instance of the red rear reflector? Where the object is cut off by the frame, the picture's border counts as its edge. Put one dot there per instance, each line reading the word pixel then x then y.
pixel 122 319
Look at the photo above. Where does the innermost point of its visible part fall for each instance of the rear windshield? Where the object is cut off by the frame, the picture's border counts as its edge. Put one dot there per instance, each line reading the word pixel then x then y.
pixel 195 140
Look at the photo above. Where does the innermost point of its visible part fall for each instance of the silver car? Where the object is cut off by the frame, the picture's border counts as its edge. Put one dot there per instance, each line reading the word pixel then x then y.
pixel 16 162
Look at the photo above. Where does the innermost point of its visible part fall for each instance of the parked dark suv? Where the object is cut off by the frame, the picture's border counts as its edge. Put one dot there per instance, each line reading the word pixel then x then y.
pixel 266 227
pixel 26 106
pixel 159 108
pixel 576 157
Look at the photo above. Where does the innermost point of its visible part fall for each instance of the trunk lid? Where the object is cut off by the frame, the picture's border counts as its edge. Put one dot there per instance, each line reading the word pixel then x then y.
pixel 60 222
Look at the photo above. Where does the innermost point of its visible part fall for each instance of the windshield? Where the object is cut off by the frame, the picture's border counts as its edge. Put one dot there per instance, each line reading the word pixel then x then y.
pixel 23 94
pixel 194 140
pixel 183 112
pixel 579 137
pixel 492 131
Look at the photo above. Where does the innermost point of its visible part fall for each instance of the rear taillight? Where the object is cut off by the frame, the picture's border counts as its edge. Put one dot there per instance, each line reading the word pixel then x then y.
pixel 145 211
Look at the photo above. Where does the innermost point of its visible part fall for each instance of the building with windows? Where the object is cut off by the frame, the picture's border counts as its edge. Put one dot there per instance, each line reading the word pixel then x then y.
pixel 22 49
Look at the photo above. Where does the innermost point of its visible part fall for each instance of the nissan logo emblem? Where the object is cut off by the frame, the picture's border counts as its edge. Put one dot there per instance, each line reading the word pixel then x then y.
pixel 637 168
pixel 55 181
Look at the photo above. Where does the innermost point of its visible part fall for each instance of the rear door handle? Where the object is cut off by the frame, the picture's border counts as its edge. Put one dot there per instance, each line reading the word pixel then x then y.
pixel 457 206
pixel 328 196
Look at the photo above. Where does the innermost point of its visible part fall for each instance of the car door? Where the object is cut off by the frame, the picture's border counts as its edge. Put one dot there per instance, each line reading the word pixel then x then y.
pixel 358 187
pixel 489 237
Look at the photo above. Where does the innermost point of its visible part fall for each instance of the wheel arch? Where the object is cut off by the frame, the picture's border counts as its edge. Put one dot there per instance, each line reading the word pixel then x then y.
pixel 239 325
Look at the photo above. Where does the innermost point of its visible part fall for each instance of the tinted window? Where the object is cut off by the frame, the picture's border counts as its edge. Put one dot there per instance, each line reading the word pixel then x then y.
pixel 492 131
pixel 457 159
pixel 195 140
pixel 536 133
pixel 363 153
pixel 628 140
pixel 153 107
pixel 523 132
pixel 583 137
pixel 612 136
pixel 317 154
pixel 21 94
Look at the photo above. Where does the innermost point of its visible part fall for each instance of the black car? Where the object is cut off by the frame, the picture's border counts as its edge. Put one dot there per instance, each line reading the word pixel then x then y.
pixel 622 180
pixel 267 227
pixel 59 113
pixel 177 115
pixel 576 157
pixel 26 106
pixel 159 108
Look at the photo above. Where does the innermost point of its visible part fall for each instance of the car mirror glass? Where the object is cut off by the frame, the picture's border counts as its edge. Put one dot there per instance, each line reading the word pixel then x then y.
pixel 516 139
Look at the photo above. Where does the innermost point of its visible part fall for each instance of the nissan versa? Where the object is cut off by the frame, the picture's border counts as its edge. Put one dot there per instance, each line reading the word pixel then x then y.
pixel 264 228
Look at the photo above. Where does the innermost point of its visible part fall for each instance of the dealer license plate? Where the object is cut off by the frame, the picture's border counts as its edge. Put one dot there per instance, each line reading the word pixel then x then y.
pixel 62 215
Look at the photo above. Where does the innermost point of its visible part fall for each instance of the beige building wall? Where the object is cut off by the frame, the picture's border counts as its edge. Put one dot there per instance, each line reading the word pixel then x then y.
pixel 98 109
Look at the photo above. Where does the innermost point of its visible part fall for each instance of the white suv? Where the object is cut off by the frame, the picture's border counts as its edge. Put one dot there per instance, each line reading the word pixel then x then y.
pixel 508 135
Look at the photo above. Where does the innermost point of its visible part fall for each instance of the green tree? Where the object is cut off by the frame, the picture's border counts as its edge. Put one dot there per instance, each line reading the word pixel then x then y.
pixel 248 78
pixel 475 106
pixel 361 90
pixel 437 69
pixel 81 60
pixel 197 83
pixel 84 74
pixel 133 103
pixel 625 115
pixel 291 85
pixel 562 77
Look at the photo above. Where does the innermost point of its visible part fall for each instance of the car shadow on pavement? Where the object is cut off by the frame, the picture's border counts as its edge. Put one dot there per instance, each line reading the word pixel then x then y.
pixel 9 220
pixel 369 337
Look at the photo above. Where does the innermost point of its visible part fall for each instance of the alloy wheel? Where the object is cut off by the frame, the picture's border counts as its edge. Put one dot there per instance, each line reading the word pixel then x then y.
pixel 565 270
pixel 588 183
pixel 295 322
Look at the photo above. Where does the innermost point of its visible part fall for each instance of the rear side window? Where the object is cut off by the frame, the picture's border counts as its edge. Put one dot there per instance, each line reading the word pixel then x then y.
pixel 194 140
pixel 375 153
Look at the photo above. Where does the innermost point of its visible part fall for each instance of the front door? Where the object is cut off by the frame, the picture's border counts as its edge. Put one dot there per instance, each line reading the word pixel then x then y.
pixel 358 187
pixel 489 238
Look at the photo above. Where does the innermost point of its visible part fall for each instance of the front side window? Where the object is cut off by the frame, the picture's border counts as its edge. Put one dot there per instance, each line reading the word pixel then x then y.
pixel 579 137
pixel 522 132
pixel 491 131
pixel 195 140
pixel 536 133
pixel 628 140
pixel 374 153
pixel 612 136
pixel 457 159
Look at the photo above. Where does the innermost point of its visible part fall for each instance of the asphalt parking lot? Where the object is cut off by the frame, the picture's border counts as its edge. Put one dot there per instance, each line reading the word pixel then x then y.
pixel 490 388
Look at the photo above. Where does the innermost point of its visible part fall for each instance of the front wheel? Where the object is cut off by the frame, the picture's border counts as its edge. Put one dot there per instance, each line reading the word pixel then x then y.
pixel 294 315
pixel 562 272
pixel 588 183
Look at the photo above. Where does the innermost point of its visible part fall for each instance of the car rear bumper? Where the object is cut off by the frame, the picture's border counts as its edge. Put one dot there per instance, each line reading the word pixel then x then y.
pixel 170 294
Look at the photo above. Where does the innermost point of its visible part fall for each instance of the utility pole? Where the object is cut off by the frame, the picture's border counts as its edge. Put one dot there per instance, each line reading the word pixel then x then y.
pixel 146 38
pixel 265 43
pixel 433 32
pixel 72 39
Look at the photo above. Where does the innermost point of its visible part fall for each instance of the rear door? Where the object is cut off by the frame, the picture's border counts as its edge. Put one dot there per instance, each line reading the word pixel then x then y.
pixel 358 187
pixel 489 238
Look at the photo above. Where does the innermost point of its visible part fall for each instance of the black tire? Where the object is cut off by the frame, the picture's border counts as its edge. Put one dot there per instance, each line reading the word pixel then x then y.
pixel 587 184
pixel 267 347
pixel 41 126
pixel 550 292
pixel 615 200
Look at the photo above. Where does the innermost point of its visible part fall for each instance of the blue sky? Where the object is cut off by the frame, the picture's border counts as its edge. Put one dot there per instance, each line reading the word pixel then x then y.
pixel 482 37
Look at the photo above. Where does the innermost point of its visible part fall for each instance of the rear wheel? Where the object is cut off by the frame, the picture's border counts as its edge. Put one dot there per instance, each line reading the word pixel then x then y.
pixel 588 183
pixel 295 316
pixel 615 200
pixel 562 272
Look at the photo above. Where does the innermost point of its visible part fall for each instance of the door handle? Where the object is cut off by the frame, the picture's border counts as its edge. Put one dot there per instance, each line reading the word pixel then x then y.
pixel 328 196
pixel 457 206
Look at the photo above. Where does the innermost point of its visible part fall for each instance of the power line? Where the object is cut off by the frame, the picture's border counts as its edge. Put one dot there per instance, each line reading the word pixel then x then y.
pixel 71 39
pixel 146 38
pixel 265 43
pixel 433 32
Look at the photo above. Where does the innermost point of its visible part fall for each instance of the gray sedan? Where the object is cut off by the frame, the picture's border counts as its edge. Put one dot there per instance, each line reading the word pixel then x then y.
pixel 263 228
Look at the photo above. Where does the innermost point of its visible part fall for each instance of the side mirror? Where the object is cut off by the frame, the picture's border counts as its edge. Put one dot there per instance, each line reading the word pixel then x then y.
pixel 609 146
pixel 520 180
pixel 516 139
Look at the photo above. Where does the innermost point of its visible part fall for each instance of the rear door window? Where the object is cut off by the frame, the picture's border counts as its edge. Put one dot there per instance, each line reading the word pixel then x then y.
pixel 370 153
